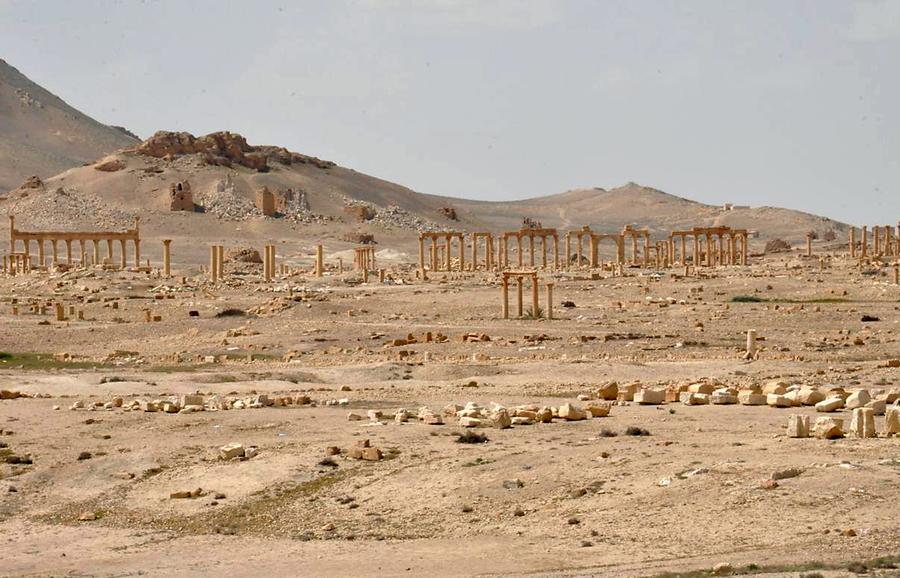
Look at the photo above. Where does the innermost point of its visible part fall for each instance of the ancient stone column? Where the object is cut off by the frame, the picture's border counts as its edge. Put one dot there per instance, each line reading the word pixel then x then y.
pixel 647 250
pixel 504 297
pixel 462 252
pixel 41 252
pixel 167 257
pixel 520 258
pixel 124 260
pixel 852 241
pixel 594 251
pixel 60 312
pixel 864 242
pixel 535 303
pixel 137 253
pixel 55 252
pixel 96 256
pixel 520 311
pixel 744 249
pixel 320 258
pixel 543 252
pixel 220 258
pixel 556 252
pixel 531 260
pixel 580 250
pixel 809 244
pixel 475 253
pixel 568 250
pixel 214 263
pixel 751 344
pixel 68 251
pixel 448 253
pixel 549 300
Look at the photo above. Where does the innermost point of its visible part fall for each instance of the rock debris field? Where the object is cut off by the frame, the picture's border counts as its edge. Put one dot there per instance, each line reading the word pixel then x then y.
pixel 325 426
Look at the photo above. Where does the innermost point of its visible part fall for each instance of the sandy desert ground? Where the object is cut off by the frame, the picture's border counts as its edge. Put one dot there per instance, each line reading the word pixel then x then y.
pixel 89 491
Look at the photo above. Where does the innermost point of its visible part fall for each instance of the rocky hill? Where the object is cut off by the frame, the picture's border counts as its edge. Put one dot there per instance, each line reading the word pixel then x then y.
pixel 42 135
pixel 224 172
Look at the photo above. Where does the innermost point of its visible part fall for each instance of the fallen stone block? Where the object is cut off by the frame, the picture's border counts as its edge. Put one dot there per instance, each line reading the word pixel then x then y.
pixel 751 397
pixel 862 424
pixel 571 412
pixel 231 451
pixel 724 396
pixel 830 404
pixel 691 398
pixel 598 409
pixel 469 422
pixel 501 419
pixel 858 399
pixel 778 400
pixel 798 426
pixel 608 392
pixel 891 421
pixel 701 387
pixel 810 396
pixel 650 396
pixel 879 406
pixel 776 387
pixel 829 428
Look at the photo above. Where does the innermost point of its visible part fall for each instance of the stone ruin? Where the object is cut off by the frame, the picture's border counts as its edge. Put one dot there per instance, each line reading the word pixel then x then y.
pixel 180 197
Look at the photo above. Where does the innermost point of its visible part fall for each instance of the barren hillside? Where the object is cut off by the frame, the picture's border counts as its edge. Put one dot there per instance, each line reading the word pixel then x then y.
pixel 42 135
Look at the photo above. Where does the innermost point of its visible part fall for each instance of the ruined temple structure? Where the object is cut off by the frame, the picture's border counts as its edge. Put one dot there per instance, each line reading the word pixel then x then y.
pixel 530 234
pixel 364 258
pixel 635 234
pixel 55 237
pixel 885 242
pixel 441 249
pixel 520 277
pixel 711 246
pixel 265 202
pixel 180 197
pixel 594 240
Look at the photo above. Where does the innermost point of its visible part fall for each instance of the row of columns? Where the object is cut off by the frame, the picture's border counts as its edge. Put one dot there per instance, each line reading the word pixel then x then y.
pixel 535 302
pixel 884 241
pixel 83 252
pixel 532 253
pixel 710 248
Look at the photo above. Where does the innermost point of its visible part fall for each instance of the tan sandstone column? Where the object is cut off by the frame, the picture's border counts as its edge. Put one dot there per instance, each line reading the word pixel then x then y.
pixel 549 300
pixel 520 311
pixel 865 241
pixel 852 241
pixel 504 297
pixel 167 257
pixel 320 258
pixel 213 264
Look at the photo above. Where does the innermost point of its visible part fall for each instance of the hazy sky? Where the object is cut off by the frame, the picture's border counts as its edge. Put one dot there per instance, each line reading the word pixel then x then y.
pixel 790 103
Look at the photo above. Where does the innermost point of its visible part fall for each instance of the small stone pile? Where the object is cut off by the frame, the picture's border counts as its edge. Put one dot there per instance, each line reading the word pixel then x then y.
pixel 191 403
pixel 392 217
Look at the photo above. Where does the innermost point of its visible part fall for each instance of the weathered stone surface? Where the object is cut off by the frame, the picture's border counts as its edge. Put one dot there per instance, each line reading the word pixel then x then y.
pixel 810 396
pixel 650 396
pixel 231 451
pixel 892 421
pixel 830 404
pixel 608 391
pixel 862 424
pixel 691 398
pixel 776 387
pixel 878 406
pixel 723 396
pixel 598 409
pixel 858 399
pixel 750 397
pixel 829 427
pixel 571 412
pixel 778 400
pixel 798 426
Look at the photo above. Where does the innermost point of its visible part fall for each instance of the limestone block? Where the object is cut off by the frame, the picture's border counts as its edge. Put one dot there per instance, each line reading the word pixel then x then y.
pixel 723 396
pixel 501 419
pixel 751 397
pixel 778 400
pixel 649 396
pixel 371 454
pixel 544 415
pixel 892 421
pixel 702 387
pixel 858 399
pixel 830 404
pixel 798 426
pixel 878 406
pixel 608 391
pixel 810 396
pixel 571 412
pixel 862 424
pixel 191 399
pixel 627 391
pixel 469 422
pixel 777 387
pixel 598 409
pixel 794 397
pixel 829 427
pixel 691 398
pixel 521 420
pixel 231 451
